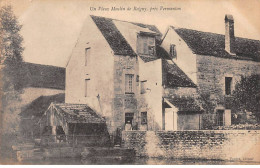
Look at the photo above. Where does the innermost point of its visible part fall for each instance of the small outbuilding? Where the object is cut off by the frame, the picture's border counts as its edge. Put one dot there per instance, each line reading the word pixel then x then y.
pixel 74 123
pixel 182 113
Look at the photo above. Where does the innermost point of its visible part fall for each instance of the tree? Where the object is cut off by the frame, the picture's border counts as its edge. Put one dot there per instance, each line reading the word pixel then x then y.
pixel 246 96
pixel 11 62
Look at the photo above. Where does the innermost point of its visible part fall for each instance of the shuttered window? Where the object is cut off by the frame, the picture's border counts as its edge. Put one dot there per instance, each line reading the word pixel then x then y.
pixel 173 53
pixel 146 45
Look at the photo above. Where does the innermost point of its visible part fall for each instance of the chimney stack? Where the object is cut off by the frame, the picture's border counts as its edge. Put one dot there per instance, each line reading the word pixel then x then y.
pixel 229 34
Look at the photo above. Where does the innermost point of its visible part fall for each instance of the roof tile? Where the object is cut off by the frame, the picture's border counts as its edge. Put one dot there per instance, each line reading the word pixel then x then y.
pixel 115 39
pixel 185 104
pixel 212 44
pixel 175 77
pixel 78 113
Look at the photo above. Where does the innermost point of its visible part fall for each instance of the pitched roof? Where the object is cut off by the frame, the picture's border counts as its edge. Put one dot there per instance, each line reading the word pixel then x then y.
pixel 41 104
pixel 115 39
pixel 160 53
pixel 175 77
pixel 78 113
pixel 44 76
pixel 186 104
pixel 212 44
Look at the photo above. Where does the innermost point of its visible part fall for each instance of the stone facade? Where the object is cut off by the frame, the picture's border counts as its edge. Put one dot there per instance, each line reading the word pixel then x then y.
pixel 122 102
pixel 211 73
pixel 232 145
pixel 208 71
pixel 106 71
pixel 121 50
pixel 137 102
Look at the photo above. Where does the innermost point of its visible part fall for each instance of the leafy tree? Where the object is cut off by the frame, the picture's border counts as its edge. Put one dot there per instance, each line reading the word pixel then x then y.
pixel 246 96
pixel 11 62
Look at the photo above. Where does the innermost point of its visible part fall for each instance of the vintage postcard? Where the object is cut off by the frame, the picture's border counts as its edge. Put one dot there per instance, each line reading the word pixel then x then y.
pixel 146 82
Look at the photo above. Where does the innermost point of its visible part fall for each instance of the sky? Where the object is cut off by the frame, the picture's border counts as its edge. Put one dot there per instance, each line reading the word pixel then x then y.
pixel 51 27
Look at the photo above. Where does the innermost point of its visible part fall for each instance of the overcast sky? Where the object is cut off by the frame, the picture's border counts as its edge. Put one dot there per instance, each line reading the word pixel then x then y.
pixel 51 27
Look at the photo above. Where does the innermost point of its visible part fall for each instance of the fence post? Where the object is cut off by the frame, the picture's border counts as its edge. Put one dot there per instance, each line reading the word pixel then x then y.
pixel 73 137
pixel 199 121
pixel 60 150
pixel 73 142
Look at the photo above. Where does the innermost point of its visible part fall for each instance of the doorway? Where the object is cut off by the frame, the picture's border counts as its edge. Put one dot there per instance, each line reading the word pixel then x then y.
pixel 129 121
pixel 220 117
pixel 169 119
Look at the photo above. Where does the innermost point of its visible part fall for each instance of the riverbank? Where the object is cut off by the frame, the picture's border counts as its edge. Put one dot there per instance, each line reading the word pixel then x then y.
pixel 162 147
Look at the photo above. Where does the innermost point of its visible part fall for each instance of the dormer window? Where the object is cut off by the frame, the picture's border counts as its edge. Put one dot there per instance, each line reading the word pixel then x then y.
pixel 146 45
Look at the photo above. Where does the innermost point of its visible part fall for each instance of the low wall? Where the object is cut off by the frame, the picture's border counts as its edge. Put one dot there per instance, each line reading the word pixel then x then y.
pixel 232 145
pixel 136 140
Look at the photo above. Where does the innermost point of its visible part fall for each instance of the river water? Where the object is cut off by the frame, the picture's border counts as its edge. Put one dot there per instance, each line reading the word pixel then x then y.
pixel 136 161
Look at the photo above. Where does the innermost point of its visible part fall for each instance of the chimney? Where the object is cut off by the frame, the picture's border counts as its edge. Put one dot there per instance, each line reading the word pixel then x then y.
pixel 229 34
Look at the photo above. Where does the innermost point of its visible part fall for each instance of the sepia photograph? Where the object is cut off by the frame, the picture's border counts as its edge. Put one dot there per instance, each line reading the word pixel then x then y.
pixel 141 82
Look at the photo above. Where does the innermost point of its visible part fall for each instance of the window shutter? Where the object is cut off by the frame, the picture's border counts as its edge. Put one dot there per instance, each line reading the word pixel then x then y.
pixel 173 52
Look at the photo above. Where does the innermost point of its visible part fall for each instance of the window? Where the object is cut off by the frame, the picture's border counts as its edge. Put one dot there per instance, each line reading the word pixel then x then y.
pixel 143 87
pixel 129 83
pixel 228 85
pixel 151 50
pixel 137 78
pixel 87 54
pixel 146 45
pixel 173 53
pixel 86 87
pixel 143 118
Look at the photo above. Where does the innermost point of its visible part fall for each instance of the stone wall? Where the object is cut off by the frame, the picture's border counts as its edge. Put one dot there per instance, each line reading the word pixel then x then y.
pixel 213 70
pixel 122 102
pixel 137 102
pixel 136 140
pixel 211 73
pixel 233 145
